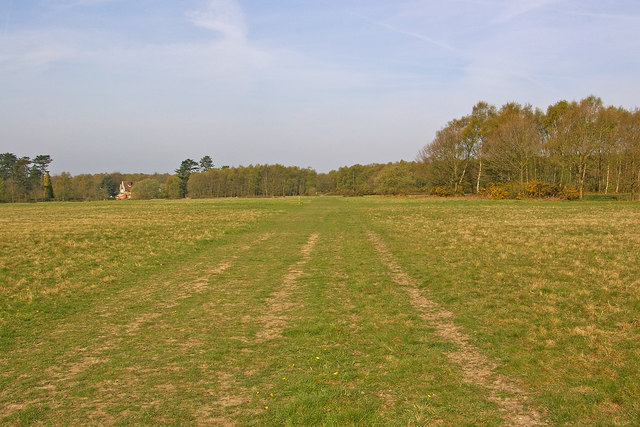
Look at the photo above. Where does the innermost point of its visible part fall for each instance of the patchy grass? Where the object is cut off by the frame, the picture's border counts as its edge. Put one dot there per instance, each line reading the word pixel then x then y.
pixel 285 311
pixel 551 290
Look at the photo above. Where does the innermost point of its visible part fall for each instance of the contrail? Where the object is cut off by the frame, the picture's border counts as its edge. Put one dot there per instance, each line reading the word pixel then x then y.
pixel 435 42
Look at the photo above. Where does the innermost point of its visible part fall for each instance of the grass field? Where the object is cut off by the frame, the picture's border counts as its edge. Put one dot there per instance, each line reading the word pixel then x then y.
pixel 338 311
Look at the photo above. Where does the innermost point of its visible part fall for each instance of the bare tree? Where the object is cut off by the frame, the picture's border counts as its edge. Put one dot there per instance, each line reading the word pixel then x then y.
pixel 476 132
pixel 514 143
pixel 449 153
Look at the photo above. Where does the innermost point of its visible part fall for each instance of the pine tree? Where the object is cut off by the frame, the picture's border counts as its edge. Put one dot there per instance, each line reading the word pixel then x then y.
pixel 206 163
pixel 187 167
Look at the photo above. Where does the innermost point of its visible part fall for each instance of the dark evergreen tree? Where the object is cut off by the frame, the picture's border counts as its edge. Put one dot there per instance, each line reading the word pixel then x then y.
pixel 21 177
pixel 187 167
pixel 7 163
pixel 206 163
pixel 107 186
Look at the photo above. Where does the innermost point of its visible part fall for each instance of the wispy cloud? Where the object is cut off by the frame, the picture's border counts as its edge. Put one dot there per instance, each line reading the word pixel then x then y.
pixel 439 43
pixel 631 18
pixel 227 58
pixel 77 3
pixel 223 16
pixel 35 49
pixel 7 16
pixel 516 8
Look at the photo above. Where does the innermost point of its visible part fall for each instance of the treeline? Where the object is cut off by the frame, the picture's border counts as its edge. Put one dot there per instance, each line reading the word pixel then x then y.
pixel 253 181
pixel 101 186
pixel 27 180
pixel 512 151
pixel 24 179
pixel 277 180
pixel 581 144
pixel 391 178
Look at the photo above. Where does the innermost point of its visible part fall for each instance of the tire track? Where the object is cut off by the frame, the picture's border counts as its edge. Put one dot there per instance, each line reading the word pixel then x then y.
pixel 194 287
pixel 73 363
pixel 226 401
pixel 202 283
pixel 274 319
pixel 476 367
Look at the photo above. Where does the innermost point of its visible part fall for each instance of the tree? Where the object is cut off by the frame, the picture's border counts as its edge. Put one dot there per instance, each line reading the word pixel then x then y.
pixel 3 193
pixel 607 151
pixel 20 176
pixel 172 189
pixel 201 184
pixel 146 189
pixel 107 187
pixel 575 134
pixel 41 163
pixel 514 143
pixel 48 188
pixel 7 163
pixel 449 154
pixel 630 135
pixel 327 182
pixel 477 131
pixel 187 167
pixel 62 186
pixel 206 163
pixel 395 178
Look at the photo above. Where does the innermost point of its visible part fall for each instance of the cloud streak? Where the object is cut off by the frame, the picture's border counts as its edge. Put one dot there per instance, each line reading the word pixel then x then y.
pixel 7 16
pixel 517 8
pixel 223 16
pixel 632 18
pixel 34 50
pixel 69 4
pixel 438 43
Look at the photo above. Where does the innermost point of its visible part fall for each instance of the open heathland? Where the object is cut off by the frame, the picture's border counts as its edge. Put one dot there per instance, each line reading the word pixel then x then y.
pixel 324 310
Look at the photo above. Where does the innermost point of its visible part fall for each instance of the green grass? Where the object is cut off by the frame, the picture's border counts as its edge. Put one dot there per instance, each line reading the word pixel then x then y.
pixel 156 312
pixel 609 197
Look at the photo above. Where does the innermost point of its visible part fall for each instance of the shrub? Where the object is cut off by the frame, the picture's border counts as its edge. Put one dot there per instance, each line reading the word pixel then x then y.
pixel 496 191
pixel 532 190
pixel 571 193
pixel 442 191
pixel 540 189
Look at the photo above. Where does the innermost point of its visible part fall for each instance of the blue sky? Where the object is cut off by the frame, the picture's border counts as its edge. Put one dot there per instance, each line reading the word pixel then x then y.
pixel 140 85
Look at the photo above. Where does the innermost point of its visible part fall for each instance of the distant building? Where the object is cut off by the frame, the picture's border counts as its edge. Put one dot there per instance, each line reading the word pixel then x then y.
pixel 125 190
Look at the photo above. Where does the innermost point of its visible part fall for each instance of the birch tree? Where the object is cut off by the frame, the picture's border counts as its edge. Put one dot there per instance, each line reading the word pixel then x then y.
pixel 450 153
pixel 476 133
pixel 514 143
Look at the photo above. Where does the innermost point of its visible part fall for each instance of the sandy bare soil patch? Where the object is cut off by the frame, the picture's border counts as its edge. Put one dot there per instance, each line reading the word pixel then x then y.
pixel 476 367
pixel 274 318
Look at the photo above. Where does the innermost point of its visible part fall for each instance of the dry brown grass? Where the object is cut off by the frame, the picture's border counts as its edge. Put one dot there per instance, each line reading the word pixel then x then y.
pixel 48 249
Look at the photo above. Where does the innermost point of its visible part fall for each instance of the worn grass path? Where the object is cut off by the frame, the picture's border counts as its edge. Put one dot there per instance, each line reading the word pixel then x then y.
pixel 313 315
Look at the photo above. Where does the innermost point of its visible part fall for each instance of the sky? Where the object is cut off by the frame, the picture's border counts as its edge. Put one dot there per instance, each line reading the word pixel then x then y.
pixel 140 85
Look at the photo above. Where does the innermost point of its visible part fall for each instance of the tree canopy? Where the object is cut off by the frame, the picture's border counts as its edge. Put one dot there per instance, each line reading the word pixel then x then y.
pixel 23 177
pixel 581 144
pixel 572 147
